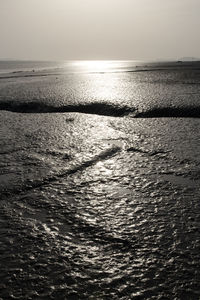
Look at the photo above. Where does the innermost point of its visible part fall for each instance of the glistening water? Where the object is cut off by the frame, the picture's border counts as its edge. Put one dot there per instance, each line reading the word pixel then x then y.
pixel 100 180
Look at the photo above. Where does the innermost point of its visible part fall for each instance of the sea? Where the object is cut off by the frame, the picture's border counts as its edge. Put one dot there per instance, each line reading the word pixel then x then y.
pixel 100 180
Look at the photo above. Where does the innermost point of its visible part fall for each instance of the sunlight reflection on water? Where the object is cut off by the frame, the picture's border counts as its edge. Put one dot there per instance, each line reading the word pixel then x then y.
pixel 100 65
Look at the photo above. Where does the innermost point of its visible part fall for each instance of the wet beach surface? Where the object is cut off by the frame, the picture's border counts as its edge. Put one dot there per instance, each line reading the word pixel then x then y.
pixel 97 207
pixel 99 181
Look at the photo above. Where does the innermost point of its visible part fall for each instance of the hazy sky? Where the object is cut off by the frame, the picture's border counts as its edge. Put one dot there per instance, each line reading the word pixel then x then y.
pixel 99 29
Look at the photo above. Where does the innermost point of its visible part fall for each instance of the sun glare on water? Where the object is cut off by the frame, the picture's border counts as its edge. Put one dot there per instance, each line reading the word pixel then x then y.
pixel 96 65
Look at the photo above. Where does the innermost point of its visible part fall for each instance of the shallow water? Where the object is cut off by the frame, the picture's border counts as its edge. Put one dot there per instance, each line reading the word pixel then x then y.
pixel 94 206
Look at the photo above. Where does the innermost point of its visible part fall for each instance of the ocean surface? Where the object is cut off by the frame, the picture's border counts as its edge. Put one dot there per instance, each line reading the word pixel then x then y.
pixel 99 180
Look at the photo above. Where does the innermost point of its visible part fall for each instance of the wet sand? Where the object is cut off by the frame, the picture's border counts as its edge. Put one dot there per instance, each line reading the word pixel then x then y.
pixel 96 207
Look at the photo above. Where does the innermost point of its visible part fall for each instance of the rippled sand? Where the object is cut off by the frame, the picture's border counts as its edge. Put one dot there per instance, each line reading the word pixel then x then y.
pixel 95 207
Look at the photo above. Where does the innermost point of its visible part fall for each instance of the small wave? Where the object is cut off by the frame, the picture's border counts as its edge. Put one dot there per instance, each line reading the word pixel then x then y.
pixel 98 108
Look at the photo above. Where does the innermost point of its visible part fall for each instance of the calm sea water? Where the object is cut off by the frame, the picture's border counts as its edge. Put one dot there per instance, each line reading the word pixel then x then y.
pixel 99 180
pixel 67 66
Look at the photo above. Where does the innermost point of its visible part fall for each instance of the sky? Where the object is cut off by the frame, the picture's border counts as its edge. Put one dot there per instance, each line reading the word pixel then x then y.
pixel 99 29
